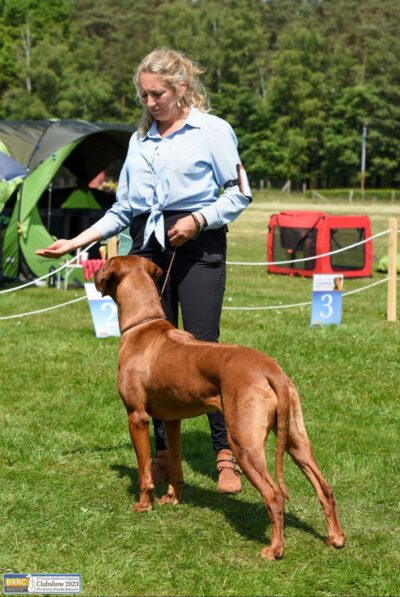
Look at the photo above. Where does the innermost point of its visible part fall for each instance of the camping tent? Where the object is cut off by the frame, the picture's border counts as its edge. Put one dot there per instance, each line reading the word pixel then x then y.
pixel 84 150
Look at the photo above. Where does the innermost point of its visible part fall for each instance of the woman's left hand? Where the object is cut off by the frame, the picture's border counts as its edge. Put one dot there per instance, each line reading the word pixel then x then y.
pixel 182 231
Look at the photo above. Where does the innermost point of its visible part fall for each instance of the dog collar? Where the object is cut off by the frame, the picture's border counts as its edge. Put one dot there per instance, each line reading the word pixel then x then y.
pixel 133 325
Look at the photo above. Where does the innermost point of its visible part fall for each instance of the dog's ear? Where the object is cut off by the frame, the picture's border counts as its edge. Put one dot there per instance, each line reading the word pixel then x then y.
pixel 154 271
pixel 104 276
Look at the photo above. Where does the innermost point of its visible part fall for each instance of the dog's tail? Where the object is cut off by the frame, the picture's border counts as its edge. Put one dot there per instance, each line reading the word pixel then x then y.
pixel 281 388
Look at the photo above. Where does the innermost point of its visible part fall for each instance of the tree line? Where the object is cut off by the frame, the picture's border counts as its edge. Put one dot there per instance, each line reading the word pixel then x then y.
pixel 297 79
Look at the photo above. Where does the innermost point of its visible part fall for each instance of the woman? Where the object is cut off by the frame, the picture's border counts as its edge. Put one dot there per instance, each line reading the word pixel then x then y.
pixel 169 193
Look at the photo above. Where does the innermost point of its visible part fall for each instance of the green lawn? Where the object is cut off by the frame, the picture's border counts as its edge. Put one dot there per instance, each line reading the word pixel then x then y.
pixel 69 475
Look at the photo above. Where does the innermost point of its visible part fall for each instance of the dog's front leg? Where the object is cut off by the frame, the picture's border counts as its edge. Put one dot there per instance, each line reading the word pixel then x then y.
pixel 139 431
pixel 174 492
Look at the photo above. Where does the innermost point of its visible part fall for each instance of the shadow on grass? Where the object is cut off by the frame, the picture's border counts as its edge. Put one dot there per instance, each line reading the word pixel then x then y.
pixel 97 449
pixel 248 518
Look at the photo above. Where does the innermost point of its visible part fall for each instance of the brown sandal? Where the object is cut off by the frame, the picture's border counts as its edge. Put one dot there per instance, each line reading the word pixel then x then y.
pixel 159 467
pixel 228 472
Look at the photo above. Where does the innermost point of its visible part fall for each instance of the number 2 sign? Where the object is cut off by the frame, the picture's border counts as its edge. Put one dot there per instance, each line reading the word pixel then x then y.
pixel 104 313
pixel 327 299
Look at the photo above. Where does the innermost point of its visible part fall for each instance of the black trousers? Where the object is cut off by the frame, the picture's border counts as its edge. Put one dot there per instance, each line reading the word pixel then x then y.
pixel 196 284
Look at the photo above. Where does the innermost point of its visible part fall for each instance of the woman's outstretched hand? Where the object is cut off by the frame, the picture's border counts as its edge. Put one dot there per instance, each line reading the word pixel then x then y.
pixel 57 249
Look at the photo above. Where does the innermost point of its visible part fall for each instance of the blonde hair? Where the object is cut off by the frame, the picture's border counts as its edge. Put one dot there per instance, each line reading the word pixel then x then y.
pixel 175 68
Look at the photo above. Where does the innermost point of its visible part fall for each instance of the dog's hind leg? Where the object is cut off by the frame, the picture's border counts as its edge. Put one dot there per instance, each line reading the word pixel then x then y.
pixel 174 491
pixel 139 431
pixel 299 447
pixel 247 434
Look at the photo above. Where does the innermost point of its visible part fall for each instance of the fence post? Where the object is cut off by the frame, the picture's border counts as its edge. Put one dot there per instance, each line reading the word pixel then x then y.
pixel 392 271
pixel 112 247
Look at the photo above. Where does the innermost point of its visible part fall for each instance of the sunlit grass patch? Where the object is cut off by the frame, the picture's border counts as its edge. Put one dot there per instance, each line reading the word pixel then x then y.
pixel 68 473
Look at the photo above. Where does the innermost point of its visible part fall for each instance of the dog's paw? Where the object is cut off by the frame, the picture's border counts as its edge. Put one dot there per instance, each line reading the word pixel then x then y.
pixel 146 507
pixel 168 499
pixel 337 541
pixel 272 553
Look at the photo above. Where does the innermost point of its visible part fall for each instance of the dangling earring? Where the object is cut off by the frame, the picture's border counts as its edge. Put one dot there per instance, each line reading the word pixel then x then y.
pixel 179 104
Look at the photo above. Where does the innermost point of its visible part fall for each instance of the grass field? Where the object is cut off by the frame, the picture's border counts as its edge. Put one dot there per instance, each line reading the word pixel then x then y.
pixel 68 473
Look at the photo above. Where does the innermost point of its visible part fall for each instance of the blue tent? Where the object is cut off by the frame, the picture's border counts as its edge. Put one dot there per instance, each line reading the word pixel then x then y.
pixel 10 168
pixel 11 175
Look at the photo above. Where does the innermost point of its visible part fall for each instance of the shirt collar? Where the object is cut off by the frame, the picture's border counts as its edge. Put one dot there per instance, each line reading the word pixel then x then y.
pixel 193 120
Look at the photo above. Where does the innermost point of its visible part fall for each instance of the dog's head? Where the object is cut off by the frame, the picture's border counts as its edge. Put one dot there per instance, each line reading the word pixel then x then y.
pixel 115 269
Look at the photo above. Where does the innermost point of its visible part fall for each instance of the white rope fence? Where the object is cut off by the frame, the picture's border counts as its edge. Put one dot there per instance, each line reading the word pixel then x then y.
pixel 269 308
pixel 249 308
pixel 255 263
pixel 272 307
pixel 81 298
pixel 55 271
pixel 319 256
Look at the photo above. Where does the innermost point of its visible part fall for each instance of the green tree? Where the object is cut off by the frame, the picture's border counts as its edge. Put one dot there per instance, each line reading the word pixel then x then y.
pixel 297 79
pixel 25 24
pixel 296 98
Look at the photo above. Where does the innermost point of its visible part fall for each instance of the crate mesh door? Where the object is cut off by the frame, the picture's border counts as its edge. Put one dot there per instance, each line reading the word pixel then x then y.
pixel 295 243
pixel 351 259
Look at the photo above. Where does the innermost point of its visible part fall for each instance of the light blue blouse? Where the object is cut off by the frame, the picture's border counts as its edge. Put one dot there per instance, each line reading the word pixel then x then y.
pixel 182 171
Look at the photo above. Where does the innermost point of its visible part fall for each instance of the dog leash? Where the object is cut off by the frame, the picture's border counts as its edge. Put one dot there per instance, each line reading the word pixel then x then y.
pixel 136 323
pixel 167 274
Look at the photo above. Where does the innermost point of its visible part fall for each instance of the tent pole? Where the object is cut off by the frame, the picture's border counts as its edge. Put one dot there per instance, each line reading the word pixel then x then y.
pixel 50 193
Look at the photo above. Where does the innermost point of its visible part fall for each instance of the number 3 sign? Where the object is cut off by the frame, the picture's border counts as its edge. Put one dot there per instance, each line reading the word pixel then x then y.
pixel 104 313
pixel 327 299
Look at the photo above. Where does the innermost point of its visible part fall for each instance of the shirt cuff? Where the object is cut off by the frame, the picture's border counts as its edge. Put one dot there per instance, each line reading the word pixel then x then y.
pixel 212 217
pixel 225 210
pixel 107 228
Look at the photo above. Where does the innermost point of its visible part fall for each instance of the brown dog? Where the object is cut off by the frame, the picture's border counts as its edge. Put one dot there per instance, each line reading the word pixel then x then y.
pixel 168 374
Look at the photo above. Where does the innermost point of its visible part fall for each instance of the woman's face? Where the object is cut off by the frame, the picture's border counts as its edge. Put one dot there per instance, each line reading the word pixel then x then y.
pixel 159 97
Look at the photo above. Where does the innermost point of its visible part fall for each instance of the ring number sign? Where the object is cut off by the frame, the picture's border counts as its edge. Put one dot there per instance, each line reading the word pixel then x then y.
pixel 104 313
pixel 327 299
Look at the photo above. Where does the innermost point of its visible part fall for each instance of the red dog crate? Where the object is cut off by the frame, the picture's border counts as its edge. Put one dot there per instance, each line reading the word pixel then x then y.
pixel 300 234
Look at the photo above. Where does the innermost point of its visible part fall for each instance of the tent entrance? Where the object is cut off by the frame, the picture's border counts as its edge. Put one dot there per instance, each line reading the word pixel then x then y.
pixel 66 223
pixel 66 212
